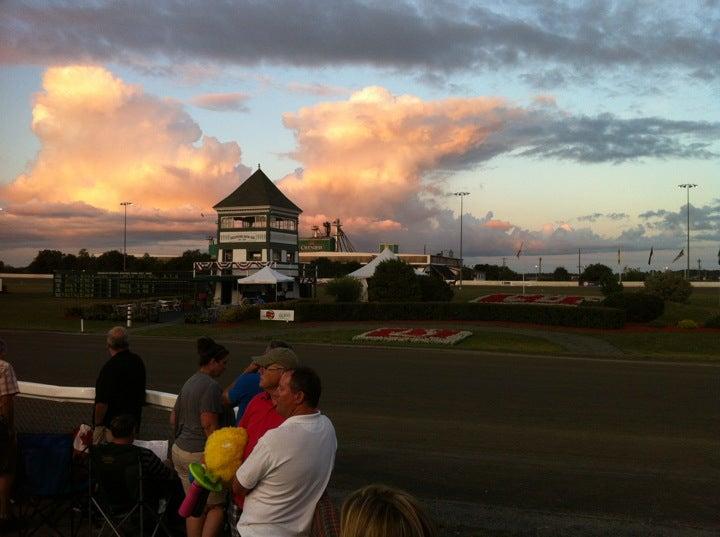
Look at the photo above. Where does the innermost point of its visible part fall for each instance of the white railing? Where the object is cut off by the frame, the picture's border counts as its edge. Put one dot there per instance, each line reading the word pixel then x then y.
pixel 78 394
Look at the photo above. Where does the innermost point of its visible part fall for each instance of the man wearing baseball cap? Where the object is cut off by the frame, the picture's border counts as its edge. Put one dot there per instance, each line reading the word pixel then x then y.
pixel 260 415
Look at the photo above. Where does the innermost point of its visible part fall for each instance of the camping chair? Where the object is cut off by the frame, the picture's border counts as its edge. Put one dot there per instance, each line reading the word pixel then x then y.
pixel 118 494
pixel 50 487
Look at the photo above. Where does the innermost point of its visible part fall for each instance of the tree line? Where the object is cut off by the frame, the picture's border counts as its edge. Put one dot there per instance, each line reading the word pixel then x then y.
pixel 48 261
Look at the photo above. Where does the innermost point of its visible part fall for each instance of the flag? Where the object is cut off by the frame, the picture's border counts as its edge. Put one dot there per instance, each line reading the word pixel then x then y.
pixel 682 253
pixel 519 250
pixel 651 254
pixel 618 257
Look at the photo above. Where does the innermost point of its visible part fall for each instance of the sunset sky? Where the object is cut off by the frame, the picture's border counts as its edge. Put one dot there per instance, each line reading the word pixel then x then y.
pixel 569 123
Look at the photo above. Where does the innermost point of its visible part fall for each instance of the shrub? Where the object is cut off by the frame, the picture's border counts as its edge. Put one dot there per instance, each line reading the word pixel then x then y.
pixel 639 307
pixel 687 323
pixel 394 281
pixel 592 317
pixel 609 284
pixel 657 323
pixel 713 322
pixel 234 314
pixel 669 285
pixel 74 312
pixel 344 289
pixel 434 289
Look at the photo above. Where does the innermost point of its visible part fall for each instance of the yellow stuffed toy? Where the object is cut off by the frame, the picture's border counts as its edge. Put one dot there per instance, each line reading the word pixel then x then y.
pixel 223 452
pixel 223 455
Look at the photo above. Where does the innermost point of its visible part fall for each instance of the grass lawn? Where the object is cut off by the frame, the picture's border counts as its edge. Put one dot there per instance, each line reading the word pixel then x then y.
pixel 30 305
pixel 686 344
pixel 314 333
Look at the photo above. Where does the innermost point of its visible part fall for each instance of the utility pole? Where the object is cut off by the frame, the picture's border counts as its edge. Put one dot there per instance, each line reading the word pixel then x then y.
pixel 125 206
pixel 687 187
pixel 578 266
pixel 462 195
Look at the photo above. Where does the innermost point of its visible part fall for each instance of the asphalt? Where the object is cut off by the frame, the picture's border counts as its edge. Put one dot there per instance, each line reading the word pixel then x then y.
pixel 540 445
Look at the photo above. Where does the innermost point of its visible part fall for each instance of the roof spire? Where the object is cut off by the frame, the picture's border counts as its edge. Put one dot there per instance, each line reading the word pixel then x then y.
pixel 258 165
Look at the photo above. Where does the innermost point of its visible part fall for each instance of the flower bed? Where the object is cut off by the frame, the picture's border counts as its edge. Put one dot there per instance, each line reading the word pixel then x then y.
pixel 503 298
pixel 442 336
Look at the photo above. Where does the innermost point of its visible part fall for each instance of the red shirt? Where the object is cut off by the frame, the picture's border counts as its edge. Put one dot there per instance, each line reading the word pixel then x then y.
pixel 260 416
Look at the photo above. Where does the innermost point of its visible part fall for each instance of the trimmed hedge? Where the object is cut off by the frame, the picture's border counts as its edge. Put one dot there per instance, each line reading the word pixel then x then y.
pixel 639 307
pixel 590 317
pixel 713 322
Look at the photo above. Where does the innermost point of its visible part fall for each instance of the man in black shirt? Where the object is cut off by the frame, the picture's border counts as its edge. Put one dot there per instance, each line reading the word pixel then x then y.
pixel 120 386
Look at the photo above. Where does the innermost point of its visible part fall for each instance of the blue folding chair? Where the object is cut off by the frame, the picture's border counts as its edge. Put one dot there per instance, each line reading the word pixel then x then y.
pixel 50 488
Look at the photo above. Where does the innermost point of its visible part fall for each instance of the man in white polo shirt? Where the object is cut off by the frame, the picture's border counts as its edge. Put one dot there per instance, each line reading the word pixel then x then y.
pixel 290 467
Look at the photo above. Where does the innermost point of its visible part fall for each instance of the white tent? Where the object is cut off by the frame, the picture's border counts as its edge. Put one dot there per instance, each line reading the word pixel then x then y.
pixel 266 276
pixel 368 271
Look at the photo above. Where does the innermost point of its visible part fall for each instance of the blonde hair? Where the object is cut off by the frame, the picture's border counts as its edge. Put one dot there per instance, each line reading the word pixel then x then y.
pixel 382 511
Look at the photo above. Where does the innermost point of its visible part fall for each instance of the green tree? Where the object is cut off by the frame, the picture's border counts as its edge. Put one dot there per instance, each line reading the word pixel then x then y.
pixel 496 273
pixel 669 285
pixel 634 275
pixel 434 289
pixel 394 281
pixel 561 274
pixel 595 273
pixel 344 289
pixel 111 261
pixel 609 284
pixel 46 261
pixel 186 260
pixel 84 260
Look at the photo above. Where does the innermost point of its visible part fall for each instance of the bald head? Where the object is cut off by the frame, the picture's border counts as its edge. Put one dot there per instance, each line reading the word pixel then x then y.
pixel 117 339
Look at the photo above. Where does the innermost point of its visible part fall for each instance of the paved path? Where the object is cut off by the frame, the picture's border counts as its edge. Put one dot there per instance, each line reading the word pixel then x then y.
pixel 541 442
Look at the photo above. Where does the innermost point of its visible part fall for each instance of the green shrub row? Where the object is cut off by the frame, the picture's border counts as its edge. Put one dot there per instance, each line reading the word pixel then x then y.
pixel 590 317
pixel 713 322
pixel 639 306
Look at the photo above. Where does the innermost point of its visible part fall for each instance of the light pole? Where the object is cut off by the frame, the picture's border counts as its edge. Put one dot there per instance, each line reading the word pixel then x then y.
pixel 125 206
pixel 462 195
pixel 687 187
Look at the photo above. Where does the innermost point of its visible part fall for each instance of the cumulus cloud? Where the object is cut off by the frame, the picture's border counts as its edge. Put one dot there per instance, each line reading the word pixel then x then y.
pixel 704 221
pixel 222 102
pixel 442 37
pixel 381 161
pixel 104 141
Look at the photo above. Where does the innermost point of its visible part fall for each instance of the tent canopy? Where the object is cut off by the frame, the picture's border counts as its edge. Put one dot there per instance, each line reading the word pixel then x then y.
pixel 266 276
pixel 368 271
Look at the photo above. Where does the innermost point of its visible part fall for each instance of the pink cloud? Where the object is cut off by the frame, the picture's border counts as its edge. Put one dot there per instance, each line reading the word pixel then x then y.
pixel 104 141
pixel 222 102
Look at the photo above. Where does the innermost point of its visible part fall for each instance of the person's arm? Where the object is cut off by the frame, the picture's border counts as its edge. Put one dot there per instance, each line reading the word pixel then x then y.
pixel 100 411
pixel 230 394
pixel 238 489
pixel 153 467
pixel 209 422
pixel 7 409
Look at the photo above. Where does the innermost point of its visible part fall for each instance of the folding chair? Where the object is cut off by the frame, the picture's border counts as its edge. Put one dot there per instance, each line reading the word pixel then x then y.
pixel 49 487
pixel 118 494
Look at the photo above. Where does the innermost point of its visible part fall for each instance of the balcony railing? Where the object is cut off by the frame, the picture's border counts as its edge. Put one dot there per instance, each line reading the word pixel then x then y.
pixel 216 267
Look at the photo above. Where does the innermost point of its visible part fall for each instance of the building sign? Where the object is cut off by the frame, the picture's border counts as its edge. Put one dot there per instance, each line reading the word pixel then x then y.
pixel 283 238
pixel 324 244
pixel 277 315
pixel 243 236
